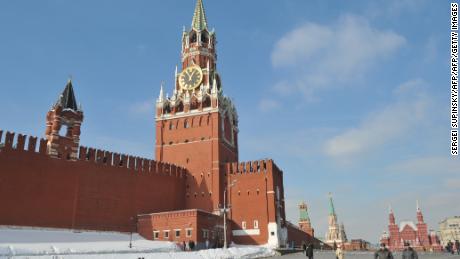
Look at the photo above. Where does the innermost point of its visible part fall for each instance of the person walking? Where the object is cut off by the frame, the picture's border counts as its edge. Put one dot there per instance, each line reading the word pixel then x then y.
pixel 457 246
pixel 304 248
pixel 409 252
pixel 309 251
pixel 383 253
pixel 339 252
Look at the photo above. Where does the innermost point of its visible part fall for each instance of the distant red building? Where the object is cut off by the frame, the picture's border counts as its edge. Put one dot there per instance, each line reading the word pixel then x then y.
pixel 416 234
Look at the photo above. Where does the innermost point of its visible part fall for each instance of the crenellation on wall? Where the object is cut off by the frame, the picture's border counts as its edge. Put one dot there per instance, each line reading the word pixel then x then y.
pixel 43 146
pixel 9 139
pixel 256 166
pixel 32 145
pixel 21 141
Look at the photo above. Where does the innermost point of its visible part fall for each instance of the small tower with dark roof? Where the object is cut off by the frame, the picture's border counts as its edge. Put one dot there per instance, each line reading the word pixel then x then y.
pixel 63 123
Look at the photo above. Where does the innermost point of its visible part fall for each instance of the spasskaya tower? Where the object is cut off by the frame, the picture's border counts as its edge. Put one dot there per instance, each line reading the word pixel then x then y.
pixel 197 126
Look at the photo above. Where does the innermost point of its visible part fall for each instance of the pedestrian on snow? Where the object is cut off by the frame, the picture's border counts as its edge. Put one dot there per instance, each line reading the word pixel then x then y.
pixel 191 244
pixel 383 253
pixel 309 251
pixel 184 246
pixel 450 247
pixel 304 248
pixel 457 245
pixel 339 252
pixel 409 252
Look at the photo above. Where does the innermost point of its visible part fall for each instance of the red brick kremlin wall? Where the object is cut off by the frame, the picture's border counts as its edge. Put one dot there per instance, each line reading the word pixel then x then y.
pixel 254 198
pixel 100 191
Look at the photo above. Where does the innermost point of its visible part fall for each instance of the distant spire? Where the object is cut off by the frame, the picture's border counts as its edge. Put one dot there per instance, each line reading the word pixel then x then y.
pixel 175 79
pixel 331 205
pixel 418 206
pixel 67 99
pixel 161 97
pixel 390 210
pixel 199 17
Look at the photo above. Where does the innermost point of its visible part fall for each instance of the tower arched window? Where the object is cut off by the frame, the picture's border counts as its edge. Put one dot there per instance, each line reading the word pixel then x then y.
pixel 167 109
pixel 207 102
pixel 193 37
pixel 204 37
pixel 186 124
pixel 180 107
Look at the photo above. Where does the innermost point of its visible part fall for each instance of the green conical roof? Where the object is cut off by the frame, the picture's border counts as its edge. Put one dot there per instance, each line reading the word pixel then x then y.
pixel 331 205
pixel 199 17
pixel 304 215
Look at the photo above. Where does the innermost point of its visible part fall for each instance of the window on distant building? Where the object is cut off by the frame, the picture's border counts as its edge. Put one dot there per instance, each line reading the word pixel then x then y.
pixel 205 233
pixel 177 231
pixel 256 224
pixel 272 233
pixel 189 232
pixel 156 235
pixel 166 234
pixel 243 224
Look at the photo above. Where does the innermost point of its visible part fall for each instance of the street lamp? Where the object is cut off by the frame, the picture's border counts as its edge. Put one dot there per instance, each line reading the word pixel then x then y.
pixel 224 210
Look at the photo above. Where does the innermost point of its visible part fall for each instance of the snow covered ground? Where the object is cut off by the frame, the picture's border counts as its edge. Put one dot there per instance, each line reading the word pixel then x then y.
pixel 53 243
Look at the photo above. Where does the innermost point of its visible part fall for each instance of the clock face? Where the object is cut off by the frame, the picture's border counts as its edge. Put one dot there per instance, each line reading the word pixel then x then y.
pixel 191 77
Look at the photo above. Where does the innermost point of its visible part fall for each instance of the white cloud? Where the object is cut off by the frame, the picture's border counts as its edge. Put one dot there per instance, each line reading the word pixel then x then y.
pixel 143 107
pixel 435 165
pixel 300 44
pixel 326 56
pixel 268 105
pixel 452 182
pixel 381 126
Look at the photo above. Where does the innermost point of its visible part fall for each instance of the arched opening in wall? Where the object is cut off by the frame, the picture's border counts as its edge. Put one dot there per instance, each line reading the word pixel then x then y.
pixel 194 103
pixel 207 102
pixel 171 126
pixel 200 121
pixel 193 37
pixel 204 38
pixel 167 109
pixel 180 107
pixel 64 130
pixel 186 124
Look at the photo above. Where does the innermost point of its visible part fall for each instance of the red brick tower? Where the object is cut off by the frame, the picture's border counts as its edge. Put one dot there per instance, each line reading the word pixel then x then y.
pixel 197 126
pixel 395 239
pixel 63 123
pixel 304 220
pixel 422 229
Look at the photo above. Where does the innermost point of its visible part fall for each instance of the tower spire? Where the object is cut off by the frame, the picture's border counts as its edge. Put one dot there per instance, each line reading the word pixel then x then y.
pixel 67 99
pixel 161 96
pixel 331 205
pixel 199 22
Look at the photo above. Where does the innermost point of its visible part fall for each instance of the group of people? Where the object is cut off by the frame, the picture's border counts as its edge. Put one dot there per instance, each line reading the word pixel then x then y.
pixel 453 249
pixel 188 246
pixel 407 253
pixel 382 253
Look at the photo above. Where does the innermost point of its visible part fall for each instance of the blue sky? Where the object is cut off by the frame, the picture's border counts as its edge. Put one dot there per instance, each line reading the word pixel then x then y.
pixel 347 97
